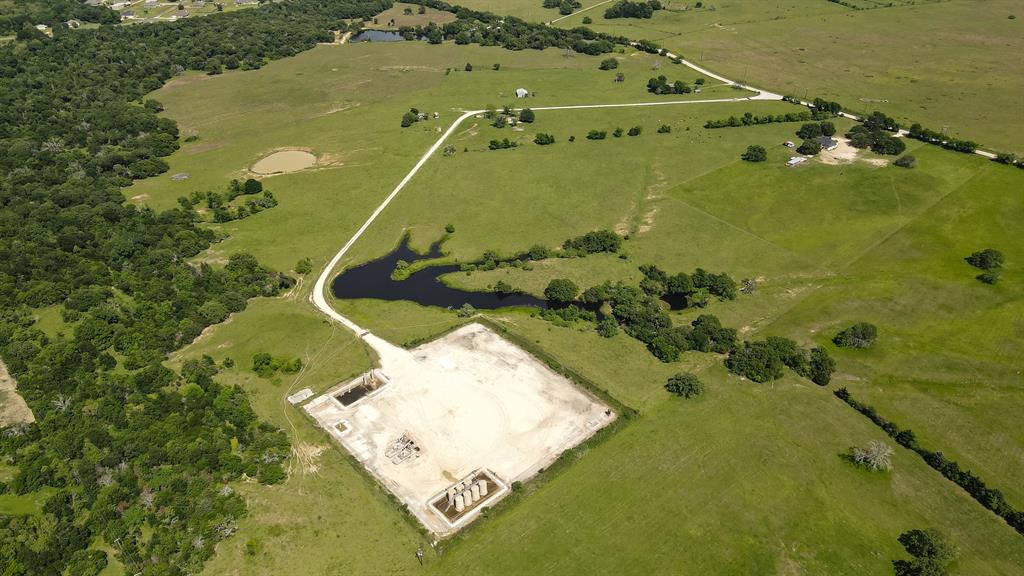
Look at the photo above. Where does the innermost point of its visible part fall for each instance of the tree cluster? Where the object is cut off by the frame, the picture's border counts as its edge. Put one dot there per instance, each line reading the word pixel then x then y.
pixel 764 360
pixel 629 9
pixel 502 144
pixel 990 261
pixel 931 554
pixel 661 85
pixel 816 130
pixel 265 365
pixel 990 498
pixel 594 242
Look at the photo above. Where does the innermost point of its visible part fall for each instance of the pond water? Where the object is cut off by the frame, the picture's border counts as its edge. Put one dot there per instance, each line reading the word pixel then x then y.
pixel 377 36
pixel 373 280
pixel 284 161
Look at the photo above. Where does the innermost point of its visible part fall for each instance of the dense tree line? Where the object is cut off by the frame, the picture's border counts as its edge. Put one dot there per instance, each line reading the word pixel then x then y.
pixel 764 360
pixel 487 29
pixel 629 9
pixel 923 134
pixel 749 119
pixel 128 446
pixel 990 498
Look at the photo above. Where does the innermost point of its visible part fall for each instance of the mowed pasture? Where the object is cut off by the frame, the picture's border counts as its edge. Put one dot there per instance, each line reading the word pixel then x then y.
pixel 748 478
pixel 951 65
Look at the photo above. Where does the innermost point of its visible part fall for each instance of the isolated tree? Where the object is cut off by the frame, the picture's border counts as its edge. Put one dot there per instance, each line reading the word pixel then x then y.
pixel 875 456
pixel 755 153
pixel 304 266
pixel 685 384
pixel 987 259
pixel 561 291
pixel 543 139
pixel 527 116
pixel 609 64
pixel 635 131
pixel 664 129
pixel 469 67
pixel 860 335
pixel 617 132
pixel 588 20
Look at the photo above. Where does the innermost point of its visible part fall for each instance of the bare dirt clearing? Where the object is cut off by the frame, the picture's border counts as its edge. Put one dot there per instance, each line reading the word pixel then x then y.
pixel 13 409
pixel 845 153
pixel 284 161
pixel 466 402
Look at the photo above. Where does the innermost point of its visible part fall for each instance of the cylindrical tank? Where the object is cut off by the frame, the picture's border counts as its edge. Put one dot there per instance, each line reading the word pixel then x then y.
pixel 475 490
pixel 483 487
pixel 459 504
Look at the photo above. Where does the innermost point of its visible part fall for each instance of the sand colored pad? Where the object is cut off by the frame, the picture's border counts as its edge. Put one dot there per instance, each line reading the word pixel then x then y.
pixel 470 400
pixel 284 161
pixel 13 409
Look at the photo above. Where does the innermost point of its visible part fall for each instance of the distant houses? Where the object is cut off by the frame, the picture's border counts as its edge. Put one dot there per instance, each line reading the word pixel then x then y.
pixel 796 161
pixel 72 24
pixel 120 5
pixel 127 15
pixel 179 15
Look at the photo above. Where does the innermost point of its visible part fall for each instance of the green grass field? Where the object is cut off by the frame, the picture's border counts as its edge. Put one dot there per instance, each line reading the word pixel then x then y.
pixel 918 61
pixel 748 478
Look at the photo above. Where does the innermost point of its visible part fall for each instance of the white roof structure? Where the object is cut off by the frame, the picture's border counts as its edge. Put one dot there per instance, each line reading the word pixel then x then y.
pixel 522 92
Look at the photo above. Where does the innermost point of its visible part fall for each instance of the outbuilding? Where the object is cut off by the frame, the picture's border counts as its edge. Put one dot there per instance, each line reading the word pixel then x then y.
pixel 522 92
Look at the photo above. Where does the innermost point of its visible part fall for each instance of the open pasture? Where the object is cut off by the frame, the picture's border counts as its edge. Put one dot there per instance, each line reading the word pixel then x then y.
pixel 951 65
pixel 762 460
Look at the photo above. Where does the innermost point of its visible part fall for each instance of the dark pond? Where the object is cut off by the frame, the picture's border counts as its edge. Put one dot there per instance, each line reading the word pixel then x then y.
pixel 373 280
pixel 377 36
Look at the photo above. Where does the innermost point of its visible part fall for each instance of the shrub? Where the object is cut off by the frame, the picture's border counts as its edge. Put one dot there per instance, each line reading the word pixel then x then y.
pixel 685 384
pixel 466 311
pixel 526 115
pixel 906 161
pixel 617 132
pixel 755 153
pixel 635 131
pixel 543 139
pixel 988 276
pixel 469 67
pixel 608 327
pixel 450 228
pixel 304 266
pixel 609 64
pixel 588 20
pixel 860 335
pixel 596 135
pixel 664 129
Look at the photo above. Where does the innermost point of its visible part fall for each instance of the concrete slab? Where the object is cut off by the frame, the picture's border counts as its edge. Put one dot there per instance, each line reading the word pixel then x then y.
pixel 470 400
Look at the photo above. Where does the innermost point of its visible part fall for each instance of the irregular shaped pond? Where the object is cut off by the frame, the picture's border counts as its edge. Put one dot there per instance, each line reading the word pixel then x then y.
pixel 373 280
pixel 377 36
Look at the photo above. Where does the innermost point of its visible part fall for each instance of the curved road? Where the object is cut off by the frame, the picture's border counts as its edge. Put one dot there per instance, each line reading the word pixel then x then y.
pixel 318 295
